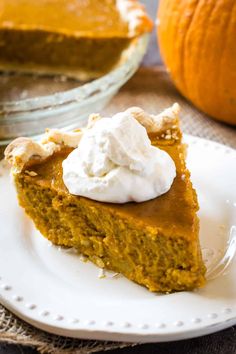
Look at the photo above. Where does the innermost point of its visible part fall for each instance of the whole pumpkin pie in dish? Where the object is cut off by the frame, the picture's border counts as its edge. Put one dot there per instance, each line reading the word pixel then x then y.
pixel 83 39
pixel 119 192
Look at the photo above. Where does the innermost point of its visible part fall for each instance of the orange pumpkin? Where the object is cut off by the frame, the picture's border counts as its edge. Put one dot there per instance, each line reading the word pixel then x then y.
pixel 198 44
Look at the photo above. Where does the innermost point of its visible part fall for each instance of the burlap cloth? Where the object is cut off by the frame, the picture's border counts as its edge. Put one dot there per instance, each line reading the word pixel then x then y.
pixel 152 90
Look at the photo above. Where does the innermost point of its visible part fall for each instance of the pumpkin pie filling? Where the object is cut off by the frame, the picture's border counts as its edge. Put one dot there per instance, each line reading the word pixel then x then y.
pixel 154 243
pixel 82 39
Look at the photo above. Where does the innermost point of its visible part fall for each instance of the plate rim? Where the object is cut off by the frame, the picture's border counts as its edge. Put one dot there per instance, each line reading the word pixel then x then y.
pixel 118 336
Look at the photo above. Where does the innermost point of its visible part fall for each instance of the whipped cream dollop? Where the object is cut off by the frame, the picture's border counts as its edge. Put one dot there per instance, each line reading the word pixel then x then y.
pixel 115 162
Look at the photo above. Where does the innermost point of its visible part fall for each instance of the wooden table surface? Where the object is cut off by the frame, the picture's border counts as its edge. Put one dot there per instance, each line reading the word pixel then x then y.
pixel 222 342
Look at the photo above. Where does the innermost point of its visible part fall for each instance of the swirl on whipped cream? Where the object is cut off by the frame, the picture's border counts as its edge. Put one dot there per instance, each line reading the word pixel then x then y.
pixel 115 162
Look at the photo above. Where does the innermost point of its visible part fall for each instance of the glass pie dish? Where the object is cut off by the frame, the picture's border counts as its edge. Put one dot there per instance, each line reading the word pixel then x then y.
pixel 30 103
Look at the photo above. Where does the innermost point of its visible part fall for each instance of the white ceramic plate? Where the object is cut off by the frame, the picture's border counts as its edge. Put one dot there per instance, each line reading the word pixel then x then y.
pixel 56 291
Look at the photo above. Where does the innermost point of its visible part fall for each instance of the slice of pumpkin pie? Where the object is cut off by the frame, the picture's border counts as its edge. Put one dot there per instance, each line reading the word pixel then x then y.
pixel 119 192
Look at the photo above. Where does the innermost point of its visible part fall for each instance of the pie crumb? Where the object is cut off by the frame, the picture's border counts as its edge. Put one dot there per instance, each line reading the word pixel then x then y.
pixel 101 274
pixel 31 173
